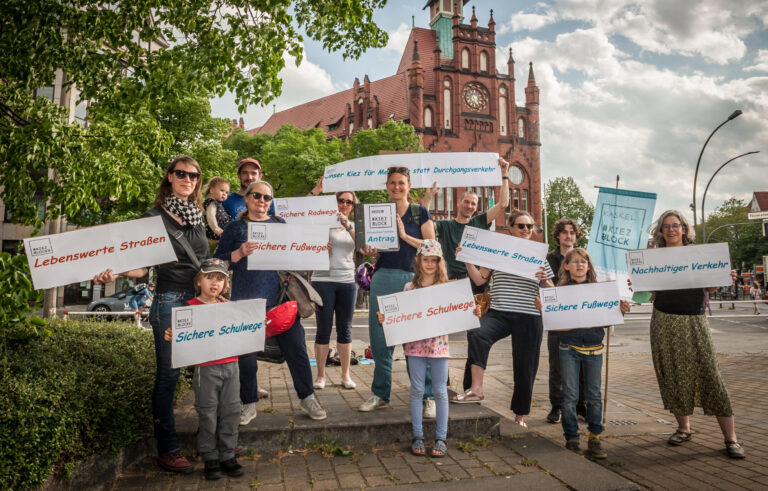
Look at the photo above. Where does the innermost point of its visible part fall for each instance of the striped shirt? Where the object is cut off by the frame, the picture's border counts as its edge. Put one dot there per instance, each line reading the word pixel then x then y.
pixel 511 293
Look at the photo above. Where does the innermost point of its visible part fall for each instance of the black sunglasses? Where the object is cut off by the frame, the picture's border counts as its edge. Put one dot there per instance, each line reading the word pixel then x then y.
pixel 182 174
pixel 522 226
pixel 267 198
pixel 345 201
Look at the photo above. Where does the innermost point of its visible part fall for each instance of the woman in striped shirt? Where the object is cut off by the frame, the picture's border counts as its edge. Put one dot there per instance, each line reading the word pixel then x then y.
pixel 512 312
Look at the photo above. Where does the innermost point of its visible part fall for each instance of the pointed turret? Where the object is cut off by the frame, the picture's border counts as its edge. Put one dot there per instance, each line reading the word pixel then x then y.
pixel 531 78
pixel 415 88
pixel 473 20
pixel 492 23
pixel 532 104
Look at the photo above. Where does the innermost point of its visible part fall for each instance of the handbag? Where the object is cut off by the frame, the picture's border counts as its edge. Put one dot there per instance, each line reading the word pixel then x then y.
pixel 281 318
pixel 271 353
pixel 295 287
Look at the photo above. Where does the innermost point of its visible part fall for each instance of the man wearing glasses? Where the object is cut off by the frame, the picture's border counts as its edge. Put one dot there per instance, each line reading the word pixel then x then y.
pixel 248 171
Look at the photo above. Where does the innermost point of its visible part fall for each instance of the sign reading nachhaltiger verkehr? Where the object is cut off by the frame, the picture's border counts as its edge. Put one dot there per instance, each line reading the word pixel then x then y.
pixel 285 246
pixel 502 252
pixel 675 268
pixel 203 333
pixel 428 312
pixel 71 257
pixel 584 305
pixel 313 210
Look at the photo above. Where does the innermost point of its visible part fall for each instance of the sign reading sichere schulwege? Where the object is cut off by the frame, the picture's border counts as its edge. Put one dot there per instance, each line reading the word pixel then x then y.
pixel 71 257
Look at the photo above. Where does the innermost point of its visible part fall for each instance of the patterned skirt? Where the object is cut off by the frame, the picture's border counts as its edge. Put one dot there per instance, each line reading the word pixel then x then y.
pixel 686 367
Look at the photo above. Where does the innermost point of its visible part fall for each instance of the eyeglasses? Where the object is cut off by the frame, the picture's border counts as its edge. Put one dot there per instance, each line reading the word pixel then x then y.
pixel 267 198
pixel 345 201
pixel 182 174
pixel 671 226
pixel 523 226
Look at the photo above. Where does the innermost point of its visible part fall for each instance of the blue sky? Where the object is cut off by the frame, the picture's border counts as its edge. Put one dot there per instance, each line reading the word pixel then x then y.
pixel 627 88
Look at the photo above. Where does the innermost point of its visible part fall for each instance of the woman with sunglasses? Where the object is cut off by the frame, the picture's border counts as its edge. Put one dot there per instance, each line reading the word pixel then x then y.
pixel 682 350
pixel 178 203
pixel 338 290
pixel 235 248
pixel 511 313
pixel 394 269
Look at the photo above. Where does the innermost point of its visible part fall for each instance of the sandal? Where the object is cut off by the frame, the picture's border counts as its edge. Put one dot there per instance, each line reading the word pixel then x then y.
pixel 417 446
pixel 734 449
pixel 467 397
pixel 679 437
pixel 440 450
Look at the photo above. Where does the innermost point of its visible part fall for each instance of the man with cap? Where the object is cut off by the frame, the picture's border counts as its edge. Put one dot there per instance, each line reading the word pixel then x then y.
pixel 248 171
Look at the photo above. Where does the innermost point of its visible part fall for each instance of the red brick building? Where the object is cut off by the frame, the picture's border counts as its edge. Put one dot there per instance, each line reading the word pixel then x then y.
pixel 448 88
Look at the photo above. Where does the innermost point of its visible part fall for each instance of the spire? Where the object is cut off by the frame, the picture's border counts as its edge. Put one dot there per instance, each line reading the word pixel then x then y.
pixel 473 20
pixel 510 59
pixel 415 57
pixel 531 78
pixel 491 22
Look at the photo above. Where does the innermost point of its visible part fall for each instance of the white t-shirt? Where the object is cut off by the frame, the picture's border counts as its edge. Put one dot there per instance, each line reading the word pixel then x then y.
pixel 342 259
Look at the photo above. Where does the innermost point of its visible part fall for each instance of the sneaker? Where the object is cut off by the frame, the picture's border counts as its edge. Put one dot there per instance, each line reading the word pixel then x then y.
pixel 175 462
pixel 232 468
pixel 212 470
pixel 373 402
pixel 554 415
pixel 596 449
pixel 430 410
pixel 573 446
pixel 247 413
pixel 312 407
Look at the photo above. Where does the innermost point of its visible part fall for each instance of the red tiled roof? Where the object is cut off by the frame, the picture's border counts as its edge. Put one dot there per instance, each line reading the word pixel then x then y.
pixel 762 200
pixel 427 39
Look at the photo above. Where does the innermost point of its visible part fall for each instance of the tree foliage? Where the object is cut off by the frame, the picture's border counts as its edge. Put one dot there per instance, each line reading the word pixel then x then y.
pixel 563 198
pixel 745 242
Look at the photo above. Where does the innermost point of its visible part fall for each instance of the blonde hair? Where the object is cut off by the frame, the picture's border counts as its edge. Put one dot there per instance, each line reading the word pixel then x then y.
pixel 689 235
pixel 441 275
pixel 214 183
pixel 565 275
pixel 249 190
pixel 199 277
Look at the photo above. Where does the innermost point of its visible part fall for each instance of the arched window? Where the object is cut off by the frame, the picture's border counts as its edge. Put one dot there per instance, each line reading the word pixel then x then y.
pixel 427 117
pixel 502 110
pixel 370 122
pixel 524 203
pixel 465 59
pixel 483 61
pixel 447 104
pixel 521 128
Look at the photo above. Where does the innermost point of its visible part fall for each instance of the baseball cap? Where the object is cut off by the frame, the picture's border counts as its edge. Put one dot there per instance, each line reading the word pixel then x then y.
pixel 214 266
pixel 248 160
pixel 430 247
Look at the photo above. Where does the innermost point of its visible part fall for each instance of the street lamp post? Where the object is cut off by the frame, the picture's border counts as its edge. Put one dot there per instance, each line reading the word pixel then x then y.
pixel 704 196
pixel 735 114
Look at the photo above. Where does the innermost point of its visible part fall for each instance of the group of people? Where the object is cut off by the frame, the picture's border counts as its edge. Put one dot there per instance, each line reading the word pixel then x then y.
pixel 226 391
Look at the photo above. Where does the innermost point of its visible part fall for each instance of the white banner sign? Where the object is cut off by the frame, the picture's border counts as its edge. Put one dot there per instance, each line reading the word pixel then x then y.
pixel 314 210
pixel 203 333
pixel 449 170
pixel 502 252
pixel 381 226
pixel 585 305
pixel 71 257
pixel 285 246
pixel 675 268
pixel 428 312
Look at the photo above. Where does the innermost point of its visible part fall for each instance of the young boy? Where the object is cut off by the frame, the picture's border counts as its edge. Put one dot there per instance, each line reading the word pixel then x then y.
pixel 217 386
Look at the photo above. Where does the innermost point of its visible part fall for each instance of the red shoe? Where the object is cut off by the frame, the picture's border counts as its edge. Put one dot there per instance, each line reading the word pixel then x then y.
pixel 368 353
pixel 175 462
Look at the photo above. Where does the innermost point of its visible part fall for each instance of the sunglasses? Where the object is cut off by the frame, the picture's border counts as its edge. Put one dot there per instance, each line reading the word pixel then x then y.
pixel 523 226
pixel 345 201
pixel 398 170
pixel 267 198
pixel 182 174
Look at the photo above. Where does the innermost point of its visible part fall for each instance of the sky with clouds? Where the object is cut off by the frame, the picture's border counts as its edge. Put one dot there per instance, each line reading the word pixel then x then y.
pixel 627 87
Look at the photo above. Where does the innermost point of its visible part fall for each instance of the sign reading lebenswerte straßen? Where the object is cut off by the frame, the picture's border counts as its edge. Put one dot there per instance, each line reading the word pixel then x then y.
pixel 428 312
pixel 203 333
pixel 71 257
pixel 448 170
pixel 584 305
pixel 314 210
pixel 502 252
pixel 675 268
pixel 286 246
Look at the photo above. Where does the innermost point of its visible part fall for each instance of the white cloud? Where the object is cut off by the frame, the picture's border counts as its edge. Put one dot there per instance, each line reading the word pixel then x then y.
pixel 761 62
pixel 522 21
pixel 398 38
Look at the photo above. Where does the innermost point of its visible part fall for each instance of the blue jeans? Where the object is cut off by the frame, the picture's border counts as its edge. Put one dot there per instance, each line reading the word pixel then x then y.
pixel 419 367
pixel 165 376
pixel 338 298
pixel 571 362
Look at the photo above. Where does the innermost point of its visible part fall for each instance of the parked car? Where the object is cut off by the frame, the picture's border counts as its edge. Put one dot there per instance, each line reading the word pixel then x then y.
pixel 116 303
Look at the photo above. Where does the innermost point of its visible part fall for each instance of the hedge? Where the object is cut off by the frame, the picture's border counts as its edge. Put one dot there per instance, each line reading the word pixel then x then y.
pixel 84 390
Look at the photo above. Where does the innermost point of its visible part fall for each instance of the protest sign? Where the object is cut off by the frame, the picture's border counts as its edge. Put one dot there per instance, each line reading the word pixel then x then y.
pixel 448 169
pixel 620 223
pixel 428 312
pixel 376 226
pixel 313 210
pixel 584 305
pixel 285 246
pixel 675 268
pixel 71 257
pixel 203 333
pixel 502 252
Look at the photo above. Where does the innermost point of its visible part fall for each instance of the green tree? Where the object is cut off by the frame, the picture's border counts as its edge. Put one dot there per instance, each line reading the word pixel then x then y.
pixel 563 198
pixel 745 242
